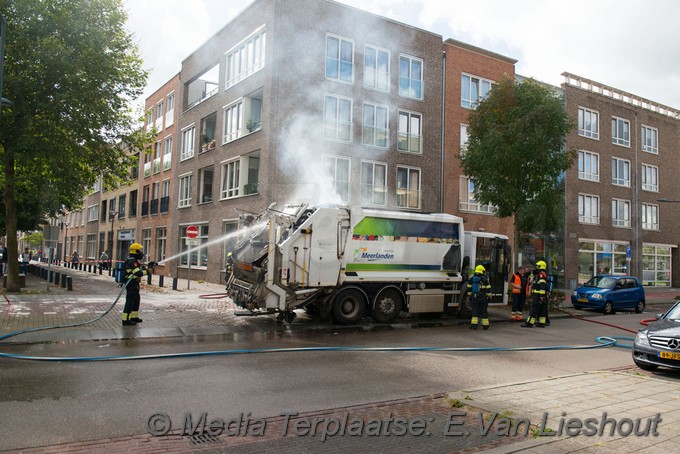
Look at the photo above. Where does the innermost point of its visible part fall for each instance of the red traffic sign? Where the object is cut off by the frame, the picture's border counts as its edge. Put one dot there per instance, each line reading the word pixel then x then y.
pixel 192 231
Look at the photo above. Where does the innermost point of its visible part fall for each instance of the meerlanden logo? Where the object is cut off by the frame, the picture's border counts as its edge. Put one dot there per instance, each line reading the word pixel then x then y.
pixel 362 254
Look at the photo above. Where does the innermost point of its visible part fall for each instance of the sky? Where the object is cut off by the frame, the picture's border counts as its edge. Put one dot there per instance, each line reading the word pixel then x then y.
pixel 631 45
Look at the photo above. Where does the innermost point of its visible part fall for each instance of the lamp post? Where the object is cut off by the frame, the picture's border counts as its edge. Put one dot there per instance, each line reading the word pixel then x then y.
pixel 112 217
pixel 65 241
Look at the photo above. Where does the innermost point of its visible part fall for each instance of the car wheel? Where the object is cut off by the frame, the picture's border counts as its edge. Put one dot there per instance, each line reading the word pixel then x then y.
pixel 648 367
pixel 608 308
pixel 639 307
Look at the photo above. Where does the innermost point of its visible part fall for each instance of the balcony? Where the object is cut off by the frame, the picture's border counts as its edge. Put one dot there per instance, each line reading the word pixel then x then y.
pixel 165 204
pixel 154 206
pixel 145 208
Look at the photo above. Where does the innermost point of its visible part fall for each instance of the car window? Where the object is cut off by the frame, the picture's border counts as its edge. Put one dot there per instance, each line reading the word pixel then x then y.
pixel 632 283
pixel 600 282
pixel 621 283
pixel 673 313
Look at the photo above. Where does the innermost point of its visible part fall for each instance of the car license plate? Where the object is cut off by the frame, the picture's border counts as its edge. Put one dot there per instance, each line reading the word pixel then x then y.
pixel 669 355
pixel 583 300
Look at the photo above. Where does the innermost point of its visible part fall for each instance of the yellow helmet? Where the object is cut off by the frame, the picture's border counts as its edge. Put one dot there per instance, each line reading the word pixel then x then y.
pixel 480 269
pixel 541 265
pixel 136 249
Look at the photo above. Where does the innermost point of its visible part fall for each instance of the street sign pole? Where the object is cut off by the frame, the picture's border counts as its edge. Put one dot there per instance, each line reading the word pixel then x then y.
pixel 192 233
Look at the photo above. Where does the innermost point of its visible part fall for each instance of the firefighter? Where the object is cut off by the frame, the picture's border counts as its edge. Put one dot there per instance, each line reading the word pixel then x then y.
pixel 539 297
pixel 229 269
pixel 134 271
pixel 479 291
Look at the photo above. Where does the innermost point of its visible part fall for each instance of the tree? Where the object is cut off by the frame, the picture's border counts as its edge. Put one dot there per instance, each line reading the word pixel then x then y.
pixel 516 154
pixel 72 72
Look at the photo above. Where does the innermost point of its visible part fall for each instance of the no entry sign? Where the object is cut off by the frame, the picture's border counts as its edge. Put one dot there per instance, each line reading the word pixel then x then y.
pixel 192 231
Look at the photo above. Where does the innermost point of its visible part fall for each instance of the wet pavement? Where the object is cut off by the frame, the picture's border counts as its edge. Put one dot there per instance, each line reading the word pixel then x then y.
pixel 458 420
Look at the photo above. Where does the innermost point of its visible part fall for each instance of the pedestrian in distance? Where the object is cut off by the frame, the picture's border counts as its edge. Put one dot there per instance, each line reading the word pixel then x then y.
pixel 479 292
pixel 3 260
pixel 538 314
pixel 518 281
pixel 104 261
pixel 75 259
pixel 25 261
pixel 134 271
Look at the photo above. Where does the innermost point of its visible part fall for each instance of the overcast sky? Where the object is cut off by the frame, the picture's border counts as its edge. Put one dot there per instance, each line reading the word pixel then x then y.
pixel 630 45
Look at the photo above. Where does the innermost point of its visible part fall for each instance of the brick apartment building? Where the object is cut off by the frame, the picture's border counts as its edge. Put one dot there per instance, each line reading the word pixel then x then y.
pixel 470 74
pixel 156 179
pixel 304 101
pixel 627 161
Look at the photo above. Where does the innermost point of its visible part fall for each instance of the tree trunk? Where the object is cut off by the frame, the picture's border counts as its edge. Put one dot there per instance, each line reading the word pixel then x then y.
pixel 11 224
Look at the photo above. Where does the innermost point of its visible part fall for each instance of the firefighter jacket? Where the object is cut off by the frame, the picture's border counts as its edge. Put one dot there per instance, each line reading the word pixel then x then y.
pixel 539 286
pixel 479 285
pixel 135 270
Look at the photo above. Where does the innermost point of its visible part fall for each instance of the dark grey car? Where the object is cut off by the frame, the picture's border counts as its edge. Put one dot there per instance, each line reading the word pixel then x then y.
pixel 658 345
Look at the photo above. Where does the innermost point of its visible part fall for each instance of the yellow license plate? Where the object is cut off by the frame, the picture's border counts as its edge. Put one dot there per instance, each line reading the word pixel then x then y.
pixel 669 355
pixel 583 300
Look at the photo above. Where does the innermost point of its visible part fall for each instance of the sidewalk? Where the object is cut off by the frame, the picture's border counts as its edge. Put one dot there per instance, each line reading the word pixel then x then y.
pixel 458 421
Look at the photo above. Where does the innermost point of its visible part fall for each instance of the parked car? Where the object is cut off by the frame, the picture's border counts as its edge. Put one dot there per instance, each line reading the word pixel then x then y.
pixel 609 293
pixel 658 345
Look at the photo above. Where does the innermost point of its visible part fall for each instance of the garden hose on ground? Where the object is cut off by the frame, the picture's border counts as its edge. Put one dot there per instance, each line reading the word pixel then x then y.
pixel 602 341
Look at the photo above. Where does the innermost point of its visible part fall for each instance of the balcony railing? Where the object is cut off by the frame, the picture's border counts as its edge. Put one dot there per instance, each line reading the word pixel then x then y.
pixel 154 206
pixel 145 208
pixel 165 204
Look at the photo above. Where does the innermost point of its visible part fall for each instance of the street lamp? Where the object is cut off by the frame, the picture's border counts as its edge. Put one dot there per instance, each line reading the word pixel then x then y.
pixel 65 240
pixel 112 216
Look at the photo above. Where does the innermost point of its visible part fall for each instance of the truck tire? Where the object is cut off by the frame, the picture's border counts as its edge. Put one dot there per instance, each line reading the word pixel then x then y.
pixel 349 306
pixel 387 305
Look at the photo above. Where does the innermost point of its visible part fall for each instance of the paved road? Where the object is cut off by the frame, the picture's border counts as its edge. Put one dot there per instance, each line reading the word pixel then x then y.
pixel 53 403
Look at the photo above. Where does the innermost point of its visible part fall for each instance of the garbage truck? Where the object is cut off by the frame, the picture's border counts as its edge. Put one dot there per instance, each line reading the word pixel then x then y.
pixel 341 263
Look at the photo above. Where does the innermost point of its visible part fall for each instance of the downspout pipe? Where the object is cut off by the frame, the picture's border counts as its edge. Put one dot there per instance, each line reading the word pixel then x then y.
pixel 443 129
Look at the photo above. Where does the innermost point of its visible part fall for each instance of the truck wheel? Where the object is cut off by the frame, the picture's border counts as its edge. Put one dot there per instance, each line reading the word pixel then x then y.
pixel 387 305
pixel 349 306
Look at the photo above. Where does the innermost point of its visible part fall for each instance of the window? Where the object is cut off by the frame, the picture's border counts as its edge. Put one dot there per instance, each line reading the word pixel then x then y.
pixel 338 169
pixel 337 118
pixel 230 179
pixel 165 196
pixel 588 123
pixel 167 153
pixel 650 216
pixel 620 172
pixel 232 122
pixel 188 138
pixel 650 139
pixel 464 138
pixel 409 136
pixel 246 58
pixel 650 178
pixel 588 209
pixel 230 236
pixel 170 110
pixel 161 243
pixel 411 77
pixel 588 166
pixel 373 183
pixel 184 191
pixel 208 127
pixel 601 257
pixel 205 177
pixel 133 204
pixel 467 201
pixel 408 187
pixel 92 213
pixel 157 157
pixel 121 206
pixel 159 116
pixel 339 59
pixel 473 90
pixel 198 254
pixel 375 131
pixel 620 213
pixel 376 68
pixel 146 242
pixel 149 119
pixel 91 251
pixel 620 132
pixel 656 265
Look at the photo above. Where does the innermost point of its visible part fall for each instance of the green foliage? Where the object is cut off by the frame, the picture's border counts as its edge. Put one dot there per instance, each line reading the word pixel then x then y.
pixel 72 71
pixel 516 155
pixel 35 239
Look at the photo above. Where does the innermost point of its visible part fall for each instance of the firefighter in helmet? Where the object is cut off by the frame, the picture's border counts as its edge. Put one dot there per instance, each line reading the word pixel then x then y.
pixel 479 291
pixel 134 271
pixel 538 313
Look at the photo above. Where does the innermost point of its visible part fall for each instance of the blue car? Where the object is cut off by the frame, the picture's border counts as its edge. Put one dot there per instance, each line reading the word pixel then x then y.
pixel 608 293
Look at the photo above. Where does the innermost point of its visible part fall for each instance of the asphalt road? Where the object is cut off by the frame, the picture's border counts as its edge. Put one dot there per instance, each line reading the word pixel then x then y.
pixel 50 403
